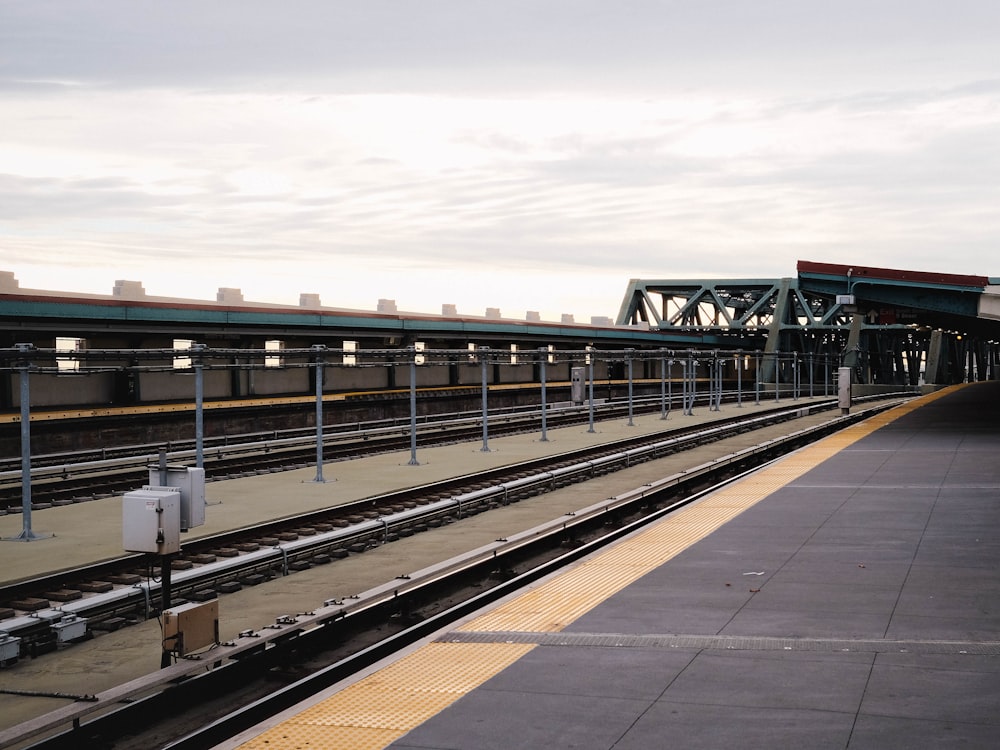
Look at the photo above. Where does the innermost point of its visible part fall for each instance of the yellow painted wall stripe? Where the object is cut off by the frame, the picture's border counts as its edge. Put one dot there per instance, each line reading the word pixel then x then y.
pixel 376 711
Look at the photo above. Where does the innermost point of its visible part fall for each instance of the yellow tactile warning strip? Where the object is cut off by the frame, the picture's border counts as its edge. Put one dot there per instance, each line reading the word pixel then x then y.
pixel 374 712
pixel 566 597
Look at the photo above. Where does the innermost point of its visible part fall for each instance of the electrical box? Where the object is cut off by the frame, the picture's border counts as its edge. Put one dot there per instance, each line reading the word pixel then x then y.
pixel 151 521
pixel 191 627
pixel 190 482
pixel 69 628
pixel 844 389
pixel 578 381
pixel 10 649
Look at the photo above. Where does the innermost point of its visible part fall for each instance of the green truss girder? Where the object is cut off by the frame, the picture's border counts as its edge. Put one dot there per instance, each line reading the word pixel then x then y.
pixel 734 304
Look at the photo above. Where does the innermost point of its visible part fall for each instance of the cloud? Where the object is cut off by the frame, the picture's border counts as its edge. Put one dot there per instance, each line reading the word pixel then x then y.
pixel 553 145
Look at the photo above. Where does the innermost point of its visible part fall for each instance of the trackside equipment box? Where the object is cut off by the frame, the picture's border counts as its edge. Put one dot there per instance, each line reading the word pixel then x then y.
pixel 190 482
pixel 191 627
pixel 151 521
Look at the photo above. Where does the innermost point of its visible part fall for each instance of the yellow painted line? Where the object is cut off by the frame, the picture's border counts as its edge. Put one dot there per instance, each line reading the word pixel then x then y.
pixel 376 711
pixel 372 713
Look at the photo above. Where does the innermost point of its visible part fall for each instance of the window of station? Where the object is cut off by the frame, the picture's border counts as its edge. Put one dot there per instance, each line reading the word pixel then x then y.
pixel 274 360
pixel 418 358
pixel 181 362
pixel 350 360
pixel 66 364
pixel 472 354
pixel 513 354
pixel 587 357
pixel 552 354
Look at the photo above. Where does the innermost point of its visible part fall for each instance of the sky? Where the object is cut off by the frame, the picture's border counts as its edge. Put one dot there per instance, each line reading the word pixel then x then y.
pixel 526 155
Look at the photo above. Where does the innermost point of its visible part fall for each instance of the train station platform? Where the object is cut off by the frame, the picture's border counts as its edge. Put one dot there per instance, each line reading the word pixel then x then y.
pixel 846 596
pixel 89 532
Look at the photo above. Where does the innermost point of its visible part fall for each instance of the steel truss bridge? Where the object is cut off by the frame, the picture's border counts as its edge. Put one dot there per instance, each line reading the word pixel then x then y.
pixel 892 327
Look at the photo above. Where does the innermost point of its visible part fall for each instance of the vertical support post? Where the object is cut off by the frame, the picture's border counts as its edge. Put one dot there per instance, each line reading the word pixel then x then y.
pixel 756 379
pixel 693 390
pixel 199 406
pixel 166 595
pixel 590 385
pixel 715 378
pixel 484 361
pixel 670 387
pixel 663 387
pixel 777 377
pixel 796 376
pixel 162 466
pixel 628 360
pixel 543 355
pixel 739 380
pixel 319 348
pixel 684 385
pixel 413 407
pixel 27 534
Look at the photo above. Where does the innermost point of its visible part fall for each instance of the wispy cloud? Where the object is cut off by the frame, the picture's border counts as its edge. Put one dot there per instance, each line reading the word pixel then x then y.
pixel 486 152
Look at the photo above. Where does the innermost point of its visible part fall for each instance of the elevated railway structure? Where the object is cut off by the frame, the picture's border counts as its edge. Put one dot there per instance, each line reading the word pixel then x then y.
pixel 891 326
pixel 91 371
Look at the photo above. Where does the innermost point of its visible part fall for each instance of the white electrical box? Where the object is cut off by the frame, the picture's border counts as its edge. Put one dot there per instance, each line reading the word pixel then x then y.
pixel 191 627
pixel 69 628
pixel 190 482
pixel 151 521
pixel 845 299
pixel 10 649
pixel 844 389
pixel 578 382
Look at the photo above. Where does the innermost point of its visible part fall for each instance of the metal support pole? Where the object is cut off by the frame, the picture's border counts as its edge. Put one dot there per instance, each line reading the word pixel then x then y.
pixel 715 379
pixel 199 407
pixel 670 387
pixel 809 361
pixel 318 348
pixel 756 379
pixel 663 387
pixel 739 381
pixel 166 593
pixel 628 360
pixel 693 390
pixel 590 408
pixel 777 377
pixel 413 407
pixel 26 535
pixel 684 386
pixel 543 354
pixel 796 376
pixel 484 357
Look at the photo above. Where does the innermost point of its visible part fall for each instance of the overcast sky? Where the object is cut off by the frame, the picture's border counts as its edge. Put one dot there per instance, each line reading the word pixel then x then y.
pixel 519 154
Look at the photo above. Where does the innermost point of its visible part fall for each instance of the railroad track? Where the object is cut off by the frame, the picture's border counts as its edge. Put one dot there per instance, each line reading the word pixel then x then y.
pixel 63 479
pixel 258 652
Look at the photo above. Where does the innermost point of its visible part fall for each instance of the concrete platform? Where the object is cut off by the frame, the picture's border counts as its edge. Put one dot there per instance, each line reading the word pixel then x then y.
pixel 845 597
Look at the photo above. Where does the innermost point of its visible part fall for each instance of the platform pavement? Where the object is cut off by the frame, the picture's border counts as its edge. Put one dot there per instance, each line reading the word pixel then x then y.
pixel 90 532
pixel 853 603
